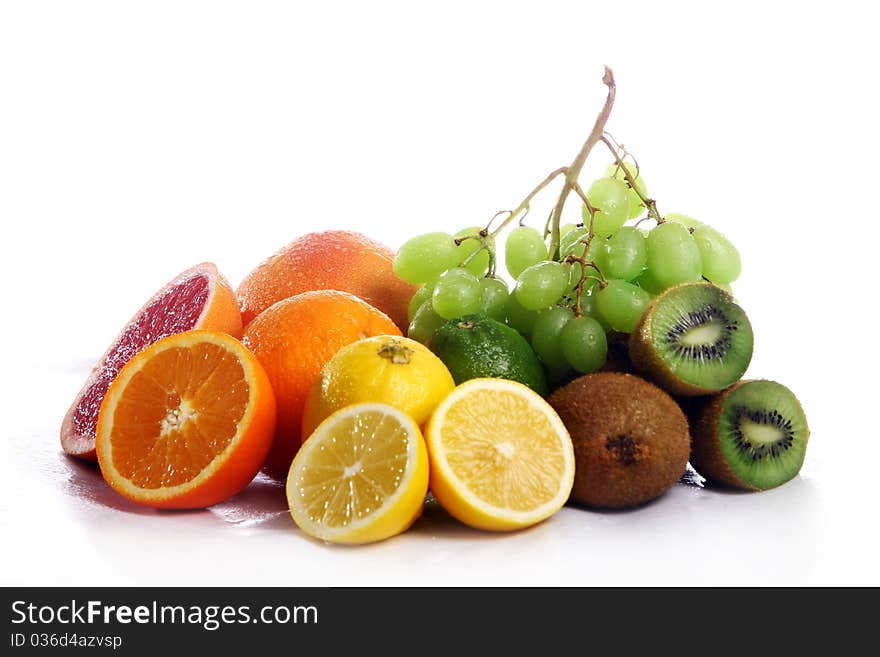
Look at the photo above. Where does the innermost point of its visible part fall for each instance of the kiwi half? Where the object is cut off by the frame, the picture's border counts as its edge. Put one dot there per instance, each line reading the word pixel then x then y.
pixel 631 440
pixel 693 339
pixel 751 436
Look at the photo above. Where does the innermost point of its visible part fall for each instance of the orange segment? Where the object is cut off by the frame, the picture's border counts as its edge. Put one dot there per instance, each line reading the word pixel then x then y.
pixel 187 423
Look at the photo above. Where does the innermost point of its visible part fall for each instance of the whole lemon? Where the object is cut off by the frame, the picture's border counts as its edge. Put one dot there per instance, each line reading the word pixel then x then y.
pixel 393 370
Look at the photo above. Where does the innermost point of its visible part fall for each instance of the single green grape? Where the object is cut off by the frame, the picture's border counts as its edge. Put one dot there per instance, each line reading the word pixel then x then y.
pixel 588 306
pixel 565 229
pixel 493 298
pixel 648 282
pixel 584 344
pixel 524 247
pixel 518 317
pixel 424 323
pixel 611 198
pixel 635 202
pixel 456 293
pixel 721 262
pixel 673 255
pixel 421 295
pixel 480 264
pixel 597 252
pixel 425 257
pixel 626 255
pixel 545 335
pixel 570 238
pixel 683 219
pixel 621 304
pixel 541 285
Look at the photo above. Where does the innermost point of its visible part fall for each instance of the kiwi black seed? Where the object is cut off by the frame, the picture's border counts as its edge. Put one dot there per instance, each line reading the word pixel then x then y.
pixel 631 440
pixel 693 339
pixel 751 436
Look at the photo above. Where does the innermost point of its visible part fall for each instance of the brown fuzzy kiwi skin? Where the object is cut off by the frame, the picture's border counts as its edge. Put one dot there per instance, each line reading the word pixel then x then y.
pixel 598 409
pixel 649 365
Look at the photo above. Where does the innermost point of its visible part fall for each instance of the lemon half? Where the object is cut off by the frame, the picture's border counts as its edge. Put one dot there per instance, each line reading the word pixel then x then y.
pixel 362 476
pixel 500 456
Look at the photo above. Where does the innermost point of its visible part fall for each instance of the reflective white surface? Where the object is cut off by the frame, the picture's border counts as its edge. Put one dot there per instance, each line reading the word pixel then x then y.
pixel 61 524
pixel 135 143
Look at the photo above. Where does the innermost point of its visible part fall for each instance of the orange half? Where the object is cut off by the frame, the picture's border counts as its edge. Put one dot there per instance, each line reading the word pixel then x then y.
pixel 187 423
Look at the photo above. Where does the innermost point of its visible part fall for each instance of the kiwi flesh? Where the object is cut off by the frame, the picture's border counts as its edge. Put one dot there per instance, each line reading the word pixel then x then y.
pixel 693 339
pixel 751 436
pixel 631 440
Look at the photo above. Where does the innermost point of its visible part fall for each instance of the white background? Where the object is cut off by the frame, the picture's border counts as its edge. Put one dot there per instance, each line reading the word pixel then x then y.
pixel 139 139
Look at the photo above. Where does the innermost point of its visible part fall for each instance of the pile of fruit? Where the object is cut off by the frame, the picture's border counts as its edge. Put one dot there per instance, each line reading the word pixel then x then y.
pixel 616 359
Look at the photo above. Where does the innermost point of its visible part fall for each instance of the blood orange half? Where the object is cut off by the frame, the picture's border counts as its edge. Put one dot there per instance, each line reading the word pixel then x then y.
pixel 197 298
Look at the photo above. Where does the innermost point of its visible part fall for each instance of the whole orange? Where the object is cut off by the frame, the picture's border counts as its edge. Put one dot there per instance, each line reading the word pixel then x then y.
pixel 293 339
pixel 331 260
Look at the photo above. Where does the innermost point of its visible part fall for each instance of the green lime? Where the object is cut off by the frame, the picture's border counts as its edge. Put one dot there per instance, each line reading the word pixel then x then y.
pixel 475 346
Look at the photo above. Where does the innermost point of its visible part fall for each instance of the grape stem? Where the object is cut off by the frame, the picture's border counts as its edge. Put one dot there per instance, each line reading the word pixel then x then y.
pixel 574 170
pixel 571 172
pixel 579 293
pixel 580 192
pixel 485 235
pixel 546 224
pixel 650 203
pixel 524 206
pixel 485 243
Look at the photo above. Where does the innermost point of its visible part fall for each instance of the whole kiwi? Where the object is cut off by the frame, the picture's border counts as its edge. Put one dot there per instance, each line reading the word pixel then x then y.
pixel 631 440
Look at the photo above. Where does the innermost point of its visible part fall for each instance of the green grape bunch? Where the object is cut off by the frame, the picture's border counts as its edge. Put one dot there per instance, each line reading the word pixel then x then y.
pixel 573 285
